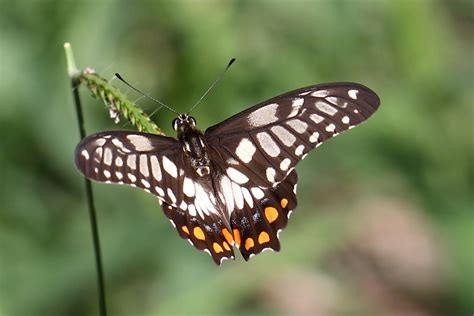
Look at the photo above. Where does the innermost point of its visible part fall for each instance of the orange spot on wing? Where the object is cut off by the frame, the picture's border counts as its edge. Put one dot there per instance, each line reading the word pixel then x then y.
pixel 249 243
pixel 198 233
pixel 226 246
pixel 263 238
pixel 217 248
pixel 284 203
pixel 185 229
pixel 271 214
pixel 237 237
pixel 227 236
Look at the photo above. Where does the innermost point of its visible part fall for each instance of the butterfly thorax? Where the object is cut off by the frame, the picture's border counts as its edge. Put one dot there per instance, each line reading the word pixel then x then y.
pixel 194 146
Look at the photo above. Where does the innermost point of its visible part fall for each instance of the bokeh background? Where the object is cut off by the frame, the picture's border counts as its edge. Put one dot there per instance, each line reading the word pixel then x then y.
pixel 385 223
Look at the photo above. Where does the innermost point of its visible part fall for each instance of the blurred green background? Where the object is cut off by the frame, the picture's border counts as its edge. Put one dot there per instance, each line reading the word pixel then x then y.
pixel 385 219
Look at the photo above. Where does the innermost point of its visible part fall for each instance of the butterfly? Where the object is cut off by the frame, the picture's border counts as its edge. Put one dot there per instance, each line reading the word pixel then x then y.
pixel 234 185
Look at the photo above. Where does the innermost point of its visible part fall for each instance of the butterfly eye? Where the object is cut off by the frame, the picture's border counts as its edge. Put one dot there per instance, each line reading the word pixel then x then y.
pixel 175 124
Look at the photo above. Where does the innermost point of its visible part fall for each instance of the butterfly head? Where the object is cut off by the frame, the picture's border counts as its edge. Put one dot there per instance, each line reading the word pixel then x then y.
pixel 184 123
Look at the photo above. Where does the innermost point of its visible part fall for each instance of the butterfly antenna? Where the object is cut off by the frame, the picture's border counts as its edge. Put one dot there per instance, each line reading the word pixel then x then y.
pixel 212 85
pixel 144 94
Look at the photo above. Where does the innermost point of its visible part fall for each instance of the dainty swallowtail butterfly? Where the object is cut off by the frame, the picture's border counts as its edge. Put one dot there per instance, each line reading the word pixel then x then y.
pixel 234 184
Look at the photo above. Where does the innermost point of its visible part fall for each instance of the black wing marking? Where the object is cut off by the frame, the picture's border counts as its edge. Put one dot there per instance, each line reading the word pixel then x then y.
pixel 266 141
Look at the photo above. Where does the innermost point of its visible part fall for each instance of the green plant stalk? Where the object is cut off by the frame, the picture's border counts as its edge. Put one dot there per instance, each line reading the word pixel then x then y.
pixel 117 102
pixel 74 75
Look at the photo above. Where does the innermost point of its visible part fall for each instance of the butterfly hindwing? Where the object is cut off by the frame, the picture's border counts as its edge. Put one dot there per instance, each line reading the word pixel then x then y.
pixel 266 141
pixel 260 224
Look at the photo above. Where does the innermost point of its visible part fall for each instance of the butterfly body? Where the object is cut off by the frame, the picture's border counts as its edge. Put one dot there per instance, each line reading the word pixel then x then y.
pixel 235 184
pixel 193 143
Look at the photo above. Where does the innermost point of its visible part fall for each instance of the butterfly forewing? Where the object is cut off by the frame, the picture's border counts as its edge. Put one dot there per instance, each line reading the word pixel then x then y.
pixel 131 158
pixel 268 140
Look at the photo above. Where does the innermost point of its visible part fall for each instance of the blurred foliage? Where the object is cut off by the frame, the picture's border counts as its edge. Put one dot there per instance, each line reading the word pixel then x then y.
pixel 385 219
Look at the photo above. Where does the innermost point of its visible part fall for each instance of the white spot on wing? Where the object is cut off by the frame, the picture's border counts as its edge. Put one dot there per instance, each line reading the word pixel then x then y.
pixel 107 173
pixel 247 197
pixel 316 118
pixel 131 162
pixel 337 101
pixel 245 150
pixel 296 106
pixel 98 154
pixel 202 200
pixel 257 193
pixel 331 128
pixel 298 125
pixel 108 156
pixel 263 116
pixel 155 168
pixel 170 167
pixel 353 93
pixel 285 163
pixel 232 161
pixel 160 191
pixel 188 187
pixel 314 137
pixel 191 210
pixel 132 177
pixel 119 175
pixel 100 142
pixel 238 197
pixel 320 93
pixel 145 183
pixel 85 154
pixel 267 144
pixel 118 162
pixel 144 165
pixel 141 143
pixel 346 119
pixel 171 195
pixel 237 176
pixel 226 189
pixel 325 107
pixel 270 172
pixel 299 150
pixel 118 143
pixel 283 135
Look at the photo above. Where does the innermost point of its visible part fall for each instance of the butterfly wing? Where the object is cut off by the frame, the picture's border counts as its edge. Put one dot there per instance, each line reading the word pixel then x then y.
pixel 267 140
pixel 157 165
pixel 261 223
pixel 256 214
pixel 255 153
